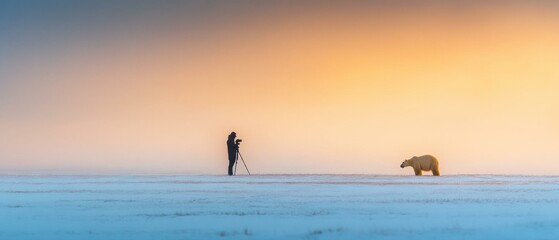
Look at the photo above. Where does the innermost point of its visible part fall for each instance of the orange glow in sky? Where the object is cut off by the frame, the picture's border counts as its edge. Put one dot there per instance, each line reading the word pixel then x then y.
pixel 331 87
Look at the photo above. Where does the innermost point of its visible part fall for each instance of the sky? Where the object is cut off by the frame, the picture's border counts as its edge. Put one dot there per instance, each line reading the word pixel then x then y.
pixel 318 87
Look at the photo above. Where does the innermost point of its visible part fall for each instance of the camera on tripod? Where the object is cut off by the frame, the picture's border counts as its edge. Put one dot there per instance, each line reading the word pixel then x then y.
pixel 237 142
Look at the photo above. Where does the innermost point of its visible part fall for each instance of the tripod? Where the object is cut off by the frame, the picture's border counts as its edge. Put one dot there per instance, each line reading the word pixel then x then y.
pixel 236 162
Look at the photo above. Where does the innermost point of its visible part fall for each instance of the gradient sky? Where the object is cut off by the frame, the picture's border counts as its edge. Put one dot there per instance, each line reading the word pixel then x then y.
pixel 311 86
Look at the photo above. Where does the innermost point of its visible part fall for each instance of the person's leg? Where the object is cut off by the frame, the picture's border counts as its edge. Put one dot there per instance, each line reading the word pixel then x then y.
pixel 231 164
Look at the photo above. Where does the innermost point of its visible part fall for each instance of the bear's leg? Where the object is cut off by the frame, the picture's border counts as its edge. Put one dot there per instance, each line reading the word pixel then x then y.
pixel 418 172
pixel 436 169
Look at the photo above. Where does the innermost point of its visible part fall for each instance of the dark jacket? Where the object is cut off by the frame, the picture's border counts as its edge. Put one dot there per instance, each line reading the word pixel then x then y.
pixel 232 147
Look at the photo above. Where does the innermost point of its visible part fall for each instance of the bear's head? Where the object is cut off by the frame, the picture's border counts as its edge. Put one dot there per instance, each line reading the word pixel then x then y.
pixel 407 163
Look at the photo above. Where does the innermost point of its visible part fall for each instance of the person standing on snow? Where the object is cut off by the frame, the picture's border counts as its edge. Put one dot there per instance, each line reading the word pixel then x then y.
pixel 232 147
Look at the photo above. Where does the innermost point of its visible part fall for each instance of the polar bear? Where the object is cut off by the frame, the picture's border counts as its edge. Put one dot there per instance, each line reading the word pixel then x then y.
pixel 423 163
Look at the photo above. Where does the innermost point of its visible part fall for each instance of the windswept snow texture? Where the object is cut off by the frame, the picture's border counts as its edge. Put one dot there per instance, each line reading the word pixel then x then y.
pixel 279 207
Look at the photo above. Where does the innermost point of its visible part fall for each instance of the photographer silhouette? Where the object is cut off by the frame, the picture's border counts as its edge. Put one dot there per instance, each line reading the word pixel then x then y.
pixel 234 153
pixel 232 148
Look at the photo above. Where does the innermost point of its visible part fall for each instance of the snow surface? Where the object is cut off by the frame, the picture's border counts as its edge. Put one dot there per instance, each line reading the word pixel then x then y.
pixel 279 207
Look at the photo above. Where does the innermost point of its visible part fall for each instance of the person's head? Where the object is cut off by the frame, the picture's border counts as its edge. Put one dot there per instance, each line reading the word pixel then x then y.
pixel 233 135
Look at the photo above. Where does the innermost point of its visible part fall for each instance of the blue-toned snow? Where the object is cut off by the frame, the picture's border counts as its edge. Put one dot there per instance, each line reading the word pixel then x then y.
pixel 279 207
